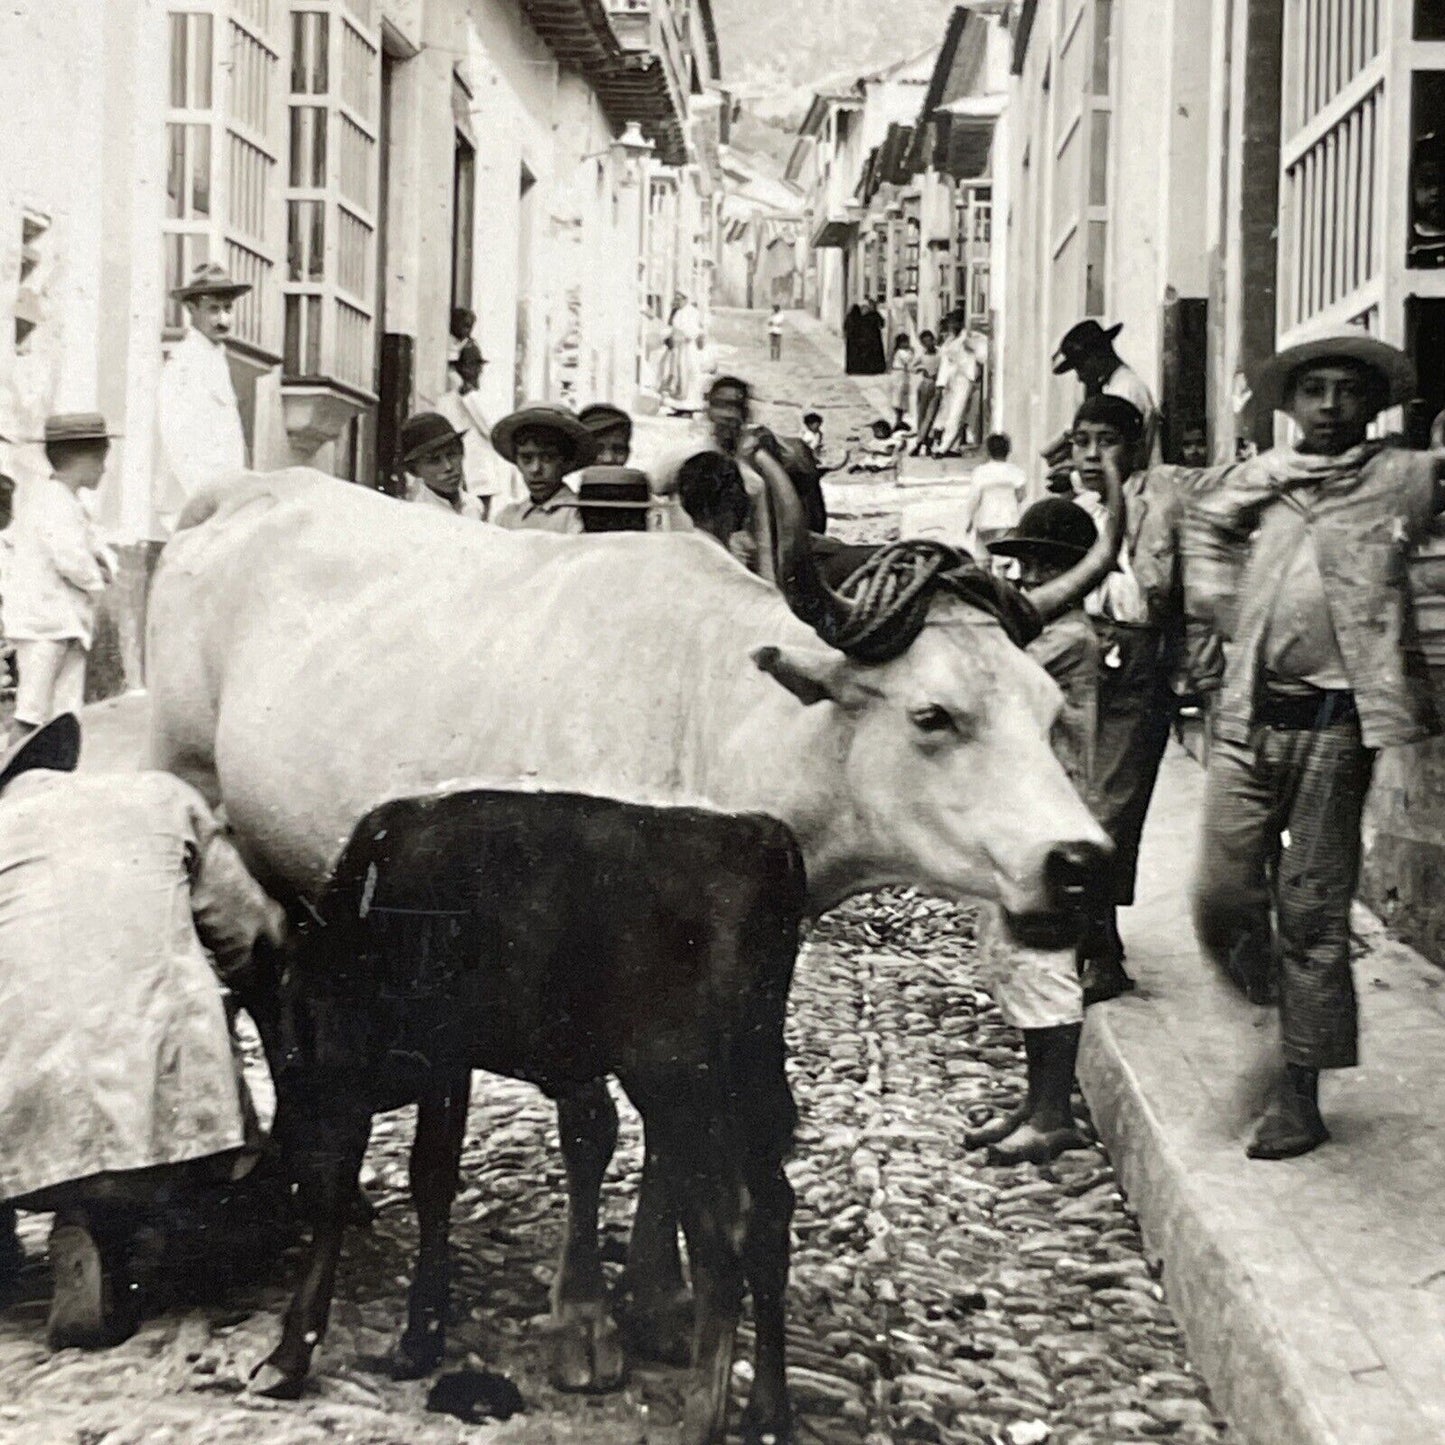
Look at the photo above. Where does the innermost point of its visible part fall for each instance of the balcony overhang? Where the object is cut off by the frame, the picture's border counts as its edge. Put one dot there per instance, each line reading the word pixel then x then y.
pixel 834 233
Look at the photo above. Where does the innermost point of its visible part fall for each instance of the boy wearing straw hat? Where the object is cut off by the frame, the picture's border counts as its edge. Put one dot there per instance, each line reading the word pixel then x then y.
pixel 199 432
pixel 1324 670
pixel 58 566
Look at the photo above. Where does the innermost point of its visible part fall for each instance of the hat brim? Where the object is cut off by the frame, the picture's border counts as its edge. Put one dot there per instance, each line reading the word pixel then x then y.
pixel 1041 548
pixel 581 442
pixel 56 746
pixel 194 293
pixel 1065 361
pixel 80 441
pixel 1269 381
pixel 420 453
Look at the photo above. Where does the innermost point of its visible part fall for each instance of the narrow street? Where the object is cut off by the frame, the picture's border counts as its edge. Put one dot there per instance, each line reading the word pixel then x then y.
pixel 933 1297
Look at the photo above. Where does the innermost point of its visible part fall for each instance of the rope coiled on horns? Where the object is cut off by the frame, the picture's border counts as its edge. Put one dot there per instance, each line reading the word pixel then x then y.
pixel 885 602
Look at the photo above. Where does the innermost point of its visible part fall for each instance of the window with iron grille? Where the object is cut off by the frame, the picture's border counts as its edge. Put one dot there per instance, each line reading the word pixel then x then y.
pixel 909 277
pixel 331 187
pixel 223 123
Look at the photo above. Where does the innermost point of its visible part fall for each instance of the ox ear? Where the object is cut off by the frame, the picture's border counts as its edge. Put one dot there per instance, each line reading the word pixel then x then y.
pixel 811 674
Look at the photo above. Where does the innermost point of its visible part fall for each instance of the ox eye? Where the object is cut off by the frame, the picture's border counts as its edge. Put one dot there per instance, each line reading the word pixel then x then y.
pixel 932 719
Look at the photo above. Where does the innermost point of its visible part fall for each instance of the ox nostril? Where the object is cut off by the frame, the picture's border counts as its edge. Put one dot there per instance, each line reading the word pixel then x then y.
pixel 1072 872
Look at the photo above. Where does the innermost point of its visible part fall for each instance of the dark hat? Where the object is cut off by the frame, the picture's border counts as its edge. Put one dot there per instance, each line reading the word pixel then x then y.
pixel 424 433
pixel 1080 339
pixel 576 439
pixel 76 426
pixel 55 746
pixel 469 351
pixel 210 278
pixel 1270 380
pixel 602 417
pixel 1053 530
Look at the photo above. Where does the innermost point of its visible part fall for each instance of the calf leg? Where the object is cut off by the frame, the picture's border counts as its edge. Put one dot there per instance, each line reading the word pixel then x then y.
pixel 327 1150
pixel 436 1160
pixel 696 1146
pixel 588 1351
pixel 768 1116
pixel 657 1308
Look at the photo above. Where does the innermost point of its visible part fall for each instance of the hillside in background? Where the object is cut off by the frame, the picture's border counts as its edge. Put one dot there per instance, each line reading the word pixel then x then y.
pixel 776 51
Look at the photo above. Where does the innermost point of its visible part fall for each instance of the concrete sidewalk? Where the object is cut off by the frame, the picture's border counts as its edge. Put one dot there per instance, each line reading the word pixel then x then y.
pixel 1312 1292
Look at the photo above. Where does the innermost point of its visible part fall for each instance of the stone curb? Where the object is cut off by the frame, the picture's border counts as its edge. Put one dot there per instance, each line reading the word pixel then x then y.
pixel 1295 1352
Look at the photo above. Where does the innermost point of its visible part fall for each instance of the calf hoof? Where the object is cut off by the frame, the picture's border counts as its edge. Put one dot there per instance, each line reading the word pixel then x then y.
pixel 587 1347
pixel 767 1428
pixel 276 1382
pixel 417 1353
pixel 661 1330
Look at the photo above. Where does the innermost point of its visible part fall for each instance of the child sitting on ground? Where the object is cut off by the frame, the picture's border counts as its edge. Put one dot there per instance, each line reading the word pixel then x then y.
pixel 1038 989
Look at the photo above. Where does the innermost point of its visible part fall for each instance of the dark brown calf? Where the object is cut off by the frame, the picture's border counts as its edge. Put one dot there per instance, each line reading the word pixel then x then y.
pixel 555 938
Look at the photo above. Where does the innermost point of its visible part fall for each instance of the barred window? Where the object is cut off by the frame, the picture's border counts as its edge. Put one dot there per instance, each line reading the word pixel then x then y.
pixel 332 179
pixel 222 125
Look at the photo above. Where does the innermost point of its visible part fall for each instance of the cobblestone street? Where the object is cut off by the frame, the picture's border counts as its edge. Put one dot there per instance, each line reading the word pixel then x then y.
pixel 933 1297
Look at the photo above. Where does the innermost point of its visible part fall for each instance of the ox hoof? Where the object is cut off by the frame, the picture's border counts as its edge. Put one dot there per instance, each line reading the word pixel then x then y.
pixel 273 1382
pixel 415 1356
pixel 587 1350
pixel 661 1330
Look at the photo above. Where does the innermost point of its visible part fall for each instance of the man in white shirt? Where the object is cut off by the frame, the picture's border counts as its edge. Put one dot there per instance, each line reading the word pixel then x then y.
pixel 1087 349
pixel 432 453
pixel 199 431
pixel 487 477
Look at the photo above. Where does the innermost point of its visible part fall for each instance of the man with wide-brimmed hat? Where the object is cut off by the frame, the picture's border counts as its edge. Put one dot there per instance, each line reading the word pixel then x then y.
pixel 432 455
pixel 1323 670
pixel 58 566
pixel 545 443
pixel 123 911
pixel 199 434
pixel 1087 349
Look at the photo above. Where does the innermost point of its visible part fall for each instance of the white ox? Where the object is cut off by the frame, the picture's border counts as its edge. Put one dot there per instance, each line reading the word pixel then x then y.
pixel 315 647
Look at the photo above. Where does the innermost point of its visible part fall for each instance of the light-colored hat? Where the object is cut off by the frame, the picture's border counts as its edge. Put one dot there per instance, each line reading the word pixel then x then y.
pixel 76 426
pixel 1270 379
pixel 579 443
pixel 210 278
pixel 55 746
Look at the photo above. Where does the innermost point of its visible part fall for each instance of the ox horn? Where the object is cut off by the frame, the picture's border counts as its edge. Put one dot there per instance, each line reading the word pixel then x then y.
pixel 1056 597
pixel 798 578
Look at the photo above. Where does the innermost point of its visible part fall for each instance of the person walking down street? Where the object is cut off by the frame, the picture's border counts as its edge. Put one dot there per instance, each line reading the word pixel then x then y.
pixel 1087 349
pixel 198 421
pixel 962 367
pixel 486 478
pixel 929 418
pixel 686 334
pixel 1137 615
pixel 775 333
pixel 123 913
pixel 870 357
pixel 996 493
pixel 546 444
pixel 1323 671
pixel 1038 990
pixel 902 385
pixel 925 367
pixel 58 567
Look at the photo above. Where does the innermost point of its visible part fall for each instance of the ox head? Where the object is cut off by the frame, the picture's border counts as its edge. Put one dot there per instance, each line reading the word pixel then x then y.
pixel 943 725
